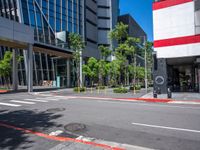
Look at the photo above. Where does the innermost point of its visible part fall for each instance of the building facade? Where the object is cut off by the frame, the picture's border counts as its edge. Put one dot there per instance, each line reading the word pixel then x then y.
pixel 52 21
pixel 177 45
pixel 101 18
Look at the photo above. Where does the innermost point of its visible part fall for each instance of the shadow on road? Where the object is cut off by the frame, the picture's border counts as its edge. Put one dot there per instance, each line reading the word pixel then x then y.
pixel 33 120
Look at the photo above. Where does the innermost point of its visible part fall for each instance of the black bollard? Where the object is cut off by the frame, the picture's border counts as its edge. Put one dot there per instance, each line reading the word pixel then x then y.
pixel 155 95
pixel 169 93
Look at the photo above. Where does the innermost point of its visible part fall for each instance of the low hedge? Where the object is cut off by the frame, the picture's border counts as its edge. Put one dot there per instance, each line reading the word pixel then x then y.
pixel 101 87
pixel 135 87
pixel 120 90
pixel 79 89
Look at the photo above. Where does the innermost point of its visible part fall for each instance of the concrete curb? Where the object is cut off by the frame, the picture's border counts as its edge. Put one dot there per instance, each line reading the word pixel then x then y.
pixel 148 100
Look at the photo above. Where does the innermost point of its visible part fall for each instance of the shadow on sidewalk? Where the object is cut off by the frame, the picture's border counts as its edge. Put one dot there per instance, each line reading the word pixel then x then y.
pixel 37 121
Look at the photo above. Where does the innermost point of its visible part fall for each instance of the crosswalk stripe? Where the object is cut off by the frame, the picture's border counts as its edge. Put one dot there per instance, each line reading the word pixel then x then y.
pixel 48 99
pixel 23 102
pixel 8 104
pixel 36 100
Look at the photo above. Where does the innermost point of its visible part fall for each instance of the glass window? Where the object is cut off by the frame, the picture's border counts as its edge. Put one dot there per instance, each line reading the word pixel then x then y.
pixel 25 12
pixel 32 18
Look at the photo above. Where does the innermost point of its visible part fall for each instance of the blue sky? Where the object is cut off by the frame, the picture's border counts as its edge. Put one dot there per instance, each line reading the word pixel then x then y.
pixel 141 11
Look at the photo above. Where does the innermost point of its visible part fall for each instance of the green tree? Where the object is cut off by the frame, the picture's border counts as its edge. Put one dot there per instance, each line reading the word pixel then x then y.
pixel 102 63
pixel 6 67
pixel 102 71
pixel 149 49
pixel 105 52
pixel 136 73
pixel 125 52
pixel 91 69
pixel 114 72
pixel 77 45
pixel 119 33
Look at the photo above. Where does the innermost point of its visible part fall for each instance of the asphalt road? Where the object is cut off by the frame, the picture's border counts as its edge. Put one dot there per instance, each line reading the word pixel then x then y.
pixel 157 126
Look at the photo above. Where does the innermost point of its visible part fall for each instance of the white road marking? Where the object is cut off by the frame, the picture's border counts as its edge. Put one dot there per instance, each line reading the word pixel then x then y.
pixel 165 127
pixel 36 100
pixel 8 104
pixel 48 99
pixel 56 133
pixel 23 102
pixel 87 139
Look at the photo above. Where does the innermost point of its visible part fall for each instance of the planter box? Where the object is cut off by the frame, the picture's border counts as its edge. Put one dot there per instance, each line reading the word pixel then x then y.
pixel 4 91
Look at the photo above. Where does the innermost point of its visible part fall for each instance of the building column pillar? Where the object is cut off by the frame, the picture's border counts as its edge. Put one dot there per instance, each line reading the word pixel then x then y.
pixel 160 75
pixel 68 73
pixel 30 68
pixel 15 71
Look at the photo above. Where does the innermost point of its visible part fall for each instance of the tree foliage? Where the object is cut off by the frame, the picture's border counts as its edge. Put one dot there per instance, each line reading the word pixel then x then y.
pixel 5 64
pixel 114 71
pixel 6 67
pixel 126 49
pixel 105 52
pixel 91 69
pixel 119 33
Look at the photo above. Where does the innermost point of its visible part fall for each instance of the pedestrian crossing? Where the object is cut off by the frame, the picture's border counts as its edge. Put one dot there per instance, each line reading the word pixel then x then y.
pixel 28 101
pixel 8 104
pixel 36 100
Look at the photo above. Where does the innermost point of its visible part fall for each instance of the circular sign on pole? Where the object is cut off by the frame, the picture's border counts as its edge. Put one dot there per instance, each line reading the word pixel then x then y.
pixel 160 80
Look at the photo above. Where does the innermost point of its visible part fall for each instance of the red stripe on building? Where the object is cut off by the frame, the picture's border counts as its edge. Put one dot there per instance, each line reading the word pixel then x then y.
pixel 177 41
pixel 168 3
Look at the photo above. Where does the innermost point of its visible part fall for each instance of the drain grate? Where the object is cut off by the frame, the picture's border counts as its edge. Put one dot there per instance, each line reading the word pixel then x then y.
pixel 54 110
pixel 75 127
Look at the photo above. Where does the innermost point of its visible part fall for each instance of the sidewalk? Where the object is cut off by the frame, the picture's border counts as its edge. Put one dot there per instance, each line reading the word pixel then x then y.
pixel 96 145
pixel 97 93
pixel 182 96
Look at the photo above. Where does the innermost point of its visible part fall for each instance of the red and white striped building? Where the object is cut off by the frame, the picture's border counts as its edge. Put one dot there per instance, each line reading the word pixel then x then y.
pixel 177 44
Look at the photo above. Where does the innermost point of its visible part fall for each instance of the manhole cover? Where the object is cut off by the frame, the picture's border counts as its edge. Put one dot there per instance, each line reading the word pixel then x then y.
pixel 54 110
pixel 75 127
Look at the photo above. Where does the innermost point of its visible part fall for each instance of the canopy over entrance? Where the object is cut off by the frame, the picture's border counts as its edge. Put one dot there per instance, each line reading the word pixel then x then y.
pixel 19 36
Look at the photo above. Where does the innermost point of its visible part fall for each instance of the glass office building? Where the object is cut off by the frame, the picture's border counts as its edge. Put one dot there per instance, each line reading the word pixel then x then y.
pixel 51 19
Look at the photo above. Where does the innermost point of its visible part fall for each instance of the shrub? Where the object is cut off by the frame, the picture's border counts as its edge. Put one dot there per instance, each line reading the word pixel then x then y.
pixel 120 90
pixel 100 87
pixel 79 89
pixel 135 87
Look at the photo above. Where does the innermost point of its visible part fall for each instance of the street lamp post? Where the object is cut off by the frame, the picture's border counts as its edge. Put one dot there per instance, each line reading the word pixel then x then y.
pixel 145 59
pixel 146 80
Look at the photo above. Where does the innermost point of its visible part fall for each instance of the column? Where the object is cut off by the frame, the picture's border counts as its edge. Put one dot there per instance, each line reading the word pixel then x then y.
pixel 15 71
pixel 160 75
pixel 30 68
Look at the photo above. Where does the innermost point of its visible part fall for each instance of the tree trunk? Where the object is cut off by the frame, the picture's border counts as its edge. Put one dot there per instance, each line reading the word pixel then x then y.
pixel 134 69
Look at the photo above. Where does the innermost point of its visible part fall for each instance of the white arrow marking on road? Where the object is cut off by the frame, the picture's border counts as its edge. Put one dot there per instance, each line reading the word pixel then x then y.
pixel 36 100
pixel 8 104
pixel 164 127
pixel 23 102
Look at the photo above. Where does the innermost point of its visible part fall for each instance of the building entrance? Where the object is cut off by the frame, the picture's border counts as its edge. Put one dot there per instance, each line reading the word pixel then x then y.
pixel 182 78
